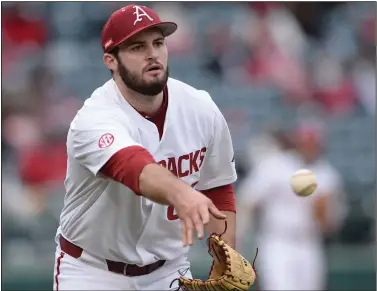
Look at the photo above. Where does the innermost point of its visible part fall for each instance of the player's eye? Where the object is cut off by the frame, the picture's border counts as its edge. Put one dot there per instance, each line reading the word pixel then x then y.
pixel 136 48
pixel 159 43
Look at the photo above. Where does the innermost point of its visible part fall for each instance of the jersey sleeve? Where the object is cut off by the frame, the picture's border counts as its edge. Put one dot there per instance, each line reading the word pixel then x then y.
pixel 219 166
pixel 92 147
pixel 330 184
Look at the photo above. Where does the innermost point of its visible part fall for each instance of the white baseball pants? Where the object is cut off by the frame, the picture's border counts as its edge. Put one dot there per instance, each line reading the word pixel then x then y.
pixel 74 274
pixel 288 265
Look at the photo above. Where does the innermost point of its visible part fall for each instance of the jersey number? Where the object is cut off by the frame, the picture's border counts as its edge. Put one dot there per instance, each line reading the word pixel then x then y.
pixel 171 215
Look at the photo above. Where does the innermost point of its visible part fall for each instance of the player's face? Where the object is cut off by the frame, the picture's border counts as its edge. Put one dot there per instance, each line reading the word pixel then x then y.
pixel 142 62
pixel 309 149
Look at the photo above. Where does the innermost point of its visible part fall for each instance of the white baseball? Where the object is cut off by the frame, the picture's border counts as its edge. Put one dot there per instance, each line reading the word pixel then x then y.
pixel 303 182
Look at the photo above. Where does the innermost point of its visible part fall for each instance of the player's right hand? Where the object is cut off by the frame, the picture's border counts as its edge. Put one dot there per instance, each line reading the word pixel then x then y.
pixel 194 211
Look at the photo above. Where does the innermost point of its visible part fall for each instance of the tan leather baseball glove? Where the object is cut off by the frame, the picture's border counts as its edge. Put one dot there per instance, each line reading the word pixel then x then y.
pixel 230 271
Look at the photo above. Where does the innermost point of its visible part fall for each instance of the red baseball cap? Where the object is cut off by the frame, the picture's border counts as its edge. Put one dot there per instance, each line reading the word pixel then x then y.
pixel 128 21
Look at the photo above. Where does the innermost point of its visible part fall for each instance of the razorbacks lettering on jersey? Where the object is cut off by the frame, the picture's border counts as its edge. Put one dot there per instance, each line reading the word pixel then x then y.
pixel 105 217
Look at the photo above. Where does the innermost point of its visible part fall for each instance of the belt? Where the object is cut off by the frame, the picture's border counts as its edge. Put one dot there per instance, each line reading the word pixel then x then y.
pixel 130 270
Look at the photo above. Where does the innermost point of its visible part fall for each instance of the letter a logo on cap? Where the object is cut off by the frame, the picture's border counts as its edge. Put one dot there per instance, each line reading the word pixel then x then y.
pixel 140 13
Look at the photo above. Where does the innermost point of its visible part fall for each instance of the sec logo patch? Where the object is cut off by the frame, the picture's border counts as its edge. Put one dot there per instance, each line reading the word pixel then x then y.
pixel 106 140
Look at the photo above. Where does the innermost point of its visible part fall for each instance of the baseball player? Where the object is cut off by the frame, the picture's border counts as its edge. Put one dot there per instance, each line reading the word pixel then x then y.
pixel 291 228
pixel 150 162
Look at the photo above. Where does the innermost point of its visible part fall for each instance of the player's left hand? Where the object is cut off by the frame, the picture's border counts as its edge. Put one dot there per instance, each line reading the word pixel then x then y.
pixel 229 271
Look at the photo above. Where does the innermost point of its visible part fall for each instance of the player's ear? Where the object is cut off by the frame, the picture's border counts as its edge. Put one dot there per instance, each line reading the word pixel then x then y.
pixel 110 61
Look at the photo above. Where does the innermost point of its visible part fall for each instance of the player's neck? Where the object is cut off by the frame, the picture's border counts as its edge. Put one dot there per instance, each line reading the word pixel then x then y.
pixel 142 103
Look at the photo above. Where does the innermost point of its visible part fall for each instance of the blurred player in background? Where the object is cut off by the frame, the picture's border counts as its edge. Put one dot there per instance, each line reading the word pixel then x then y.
pixel 292 227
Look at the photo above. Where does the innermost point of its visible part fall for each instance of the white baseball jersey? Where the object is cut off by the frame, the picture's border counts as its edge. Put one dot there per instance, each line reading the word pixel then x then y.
pixel 283 213
pixel 105 217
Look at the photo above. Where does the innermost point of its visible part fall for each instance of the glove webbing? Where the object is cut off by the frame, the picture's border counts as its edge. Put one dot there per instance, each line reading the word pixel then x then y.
pixel 213 262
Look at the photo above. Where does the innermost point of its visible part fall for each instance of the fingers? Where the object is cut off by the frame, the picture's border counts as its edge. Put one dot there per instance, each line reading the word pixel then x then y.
pixel 196 222
pixel 216 213
pixel 204 214
pixel 198 225
pixel 189 232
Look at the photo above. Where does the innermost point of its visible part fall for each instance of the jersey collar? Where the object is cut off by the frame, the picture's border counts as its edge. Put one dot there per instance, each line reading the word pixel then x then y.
pixel 139 116
pixel 161 111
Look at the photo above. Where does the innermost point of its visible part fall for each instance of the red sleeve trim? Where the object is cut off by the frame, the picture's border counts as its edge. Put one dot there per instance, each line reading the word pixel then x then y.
pixel 126 165
pixel 223 197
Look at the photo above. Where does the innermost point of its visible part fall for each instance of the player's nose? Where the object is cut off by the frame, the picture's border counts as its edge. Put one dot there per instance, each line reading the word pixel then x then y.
pixel 152 53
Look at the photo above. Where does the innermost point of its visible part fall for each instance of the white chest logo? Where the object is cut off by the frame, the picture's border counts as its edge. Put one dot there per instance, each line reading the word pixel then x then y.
pixel 140 13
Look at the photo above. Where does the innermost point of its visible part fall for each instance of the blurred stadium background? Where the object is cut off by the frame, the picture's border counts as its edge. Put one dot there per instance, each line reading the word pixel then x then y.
pixel 263 63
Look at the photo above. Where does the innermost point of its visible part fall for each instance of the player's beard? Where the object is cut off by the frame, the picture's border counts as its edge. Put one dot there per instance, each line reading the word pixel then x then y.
pixel 137 84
